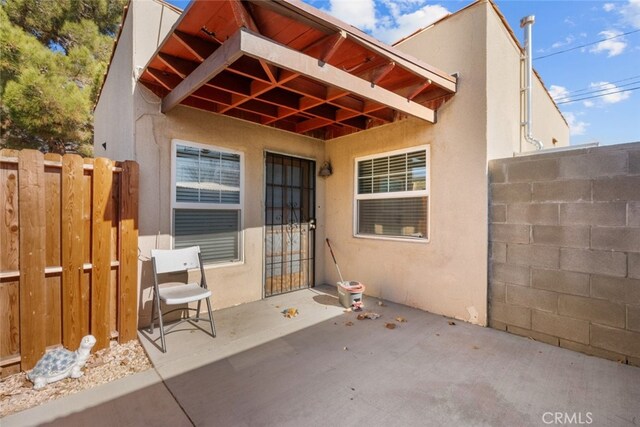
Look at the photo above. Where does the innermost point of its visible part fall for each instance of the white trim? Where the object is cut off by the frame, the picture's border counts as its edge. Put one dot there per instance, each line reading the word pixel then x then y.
pixel 393 195
pixel 209 206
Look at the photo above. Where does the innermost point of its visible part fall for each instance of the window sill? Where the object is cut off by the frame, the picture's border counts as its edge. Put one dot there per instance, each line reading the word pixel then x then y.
pixel 393 239
pixel 222 265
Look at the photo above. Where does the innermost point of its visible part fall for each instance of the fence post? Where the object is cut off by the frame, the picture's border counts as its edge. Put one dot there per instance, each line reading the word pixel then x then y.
pixel 128 256
pixel 101 251
pixel 71 238
pixel 31 202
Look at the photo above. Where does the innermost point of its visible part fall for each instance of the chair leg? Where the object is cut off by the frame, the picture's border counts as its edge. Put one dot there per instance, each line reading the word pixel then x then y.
pixel 164 345
pixel 198 311
pixel 153 313
pixel 213 327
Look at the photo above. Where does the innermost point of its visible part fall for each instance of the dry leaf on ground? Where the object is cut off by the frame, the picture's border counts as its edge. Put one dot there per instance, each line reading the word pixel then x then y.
pixel 452 323
pixel 401 319
pixel 290 312
pixel 349 324
pixel 368 315
pixel 390 325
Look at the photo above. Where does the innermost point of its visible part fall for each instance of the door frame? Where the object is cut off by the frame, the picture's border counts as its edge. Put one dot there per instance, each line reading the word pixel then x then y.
pixel 264 215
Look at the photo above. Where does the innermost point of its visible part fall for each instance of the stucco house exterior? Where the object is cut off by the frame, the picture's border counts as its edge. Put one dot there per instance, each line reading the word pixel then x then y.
pixel 402 193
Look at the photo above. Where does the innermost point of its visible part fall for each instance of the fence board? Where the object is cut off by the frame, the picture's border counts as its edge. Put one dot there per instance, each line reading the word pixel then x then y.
pixel 127 310
pixel 9 319
pixel 9 225
pixel 32 256
pixel 61 246
pixel 75 308
pixel 53 282
pixel 101 251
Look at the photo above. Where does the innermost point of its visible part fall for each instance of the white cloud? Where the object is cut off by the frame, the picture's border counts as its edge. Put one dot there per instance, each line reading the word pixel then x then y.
pixel 612 47
pixel 608 7
pixel 567 41
pixel 576 127
pixel 403 17
pixel 588 103
pixel 359 13
pixel 406 23
pixel 558 92
pixel 610 93
pixel 631 13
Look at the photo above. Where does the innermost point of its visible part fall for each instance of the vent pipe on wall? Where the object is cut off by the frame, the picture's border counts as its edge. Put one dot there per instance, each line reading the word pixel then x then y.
pixel 527 23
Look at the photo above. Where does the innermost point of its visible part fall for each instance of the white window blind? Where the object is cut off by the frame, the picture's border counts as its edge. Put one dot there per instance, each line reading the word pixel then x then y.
pixel 207 208
pixel 392 194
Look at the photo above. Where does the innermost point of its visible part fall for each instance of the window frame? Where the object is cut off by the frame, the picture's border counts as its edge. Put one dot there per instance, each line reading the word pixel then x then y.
pixel 393 195
pixel 208 206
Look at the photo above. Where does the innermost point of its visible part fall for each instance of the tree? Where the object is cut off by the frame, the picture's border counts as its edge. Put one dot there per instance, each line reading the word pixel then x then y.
pixel 53 55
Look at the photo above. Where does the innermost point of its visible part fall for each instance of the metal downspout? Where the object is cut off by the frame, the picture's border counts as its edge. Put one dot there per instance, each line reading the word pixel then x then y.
pixel 527 23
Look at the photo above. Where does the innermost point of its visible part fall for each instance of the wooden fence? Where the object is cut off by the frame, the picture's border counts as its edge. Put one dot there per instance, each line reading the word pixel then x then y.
pixel 69 253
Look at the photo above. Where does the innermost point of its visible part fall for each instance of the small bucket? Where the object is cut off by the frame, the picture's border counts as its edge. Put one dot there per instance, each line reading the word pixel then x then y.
pixel 350 293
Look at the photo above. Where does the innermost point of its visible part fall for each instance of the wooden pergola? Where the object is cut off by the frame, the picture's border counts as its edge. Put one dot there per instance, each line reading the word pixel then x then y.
pixel 284 64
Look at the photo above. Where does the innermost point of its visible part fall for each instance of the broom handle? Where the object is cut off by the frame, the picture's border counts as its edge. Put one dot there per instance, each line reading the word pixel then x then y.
pixel 334 260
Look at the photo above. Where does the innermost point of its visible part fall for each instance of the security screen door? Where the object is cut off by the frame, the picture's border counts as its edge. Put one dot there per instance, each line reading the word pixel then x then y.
pixel 289 223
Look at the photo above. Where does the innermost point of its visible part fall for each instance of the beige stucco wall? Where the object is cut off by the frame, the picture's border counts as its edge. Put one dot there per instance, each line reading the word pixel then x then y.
pixel 113 115
pixel 547 121
pixel 145 27
pixel 235 283
pixel 447 275
pixel 505 101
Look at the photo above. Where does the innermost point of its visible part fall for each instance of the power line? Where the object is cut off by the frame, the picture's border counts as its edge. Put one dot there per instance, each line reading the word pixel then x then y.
pixel 587 44
pixel 598 96
pixel 567 97
pixel 593 87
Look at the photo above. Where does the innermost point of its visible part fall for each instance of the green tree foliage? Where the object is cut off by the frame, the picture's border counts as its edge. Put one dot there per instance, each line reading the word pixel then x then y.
pixel 53 54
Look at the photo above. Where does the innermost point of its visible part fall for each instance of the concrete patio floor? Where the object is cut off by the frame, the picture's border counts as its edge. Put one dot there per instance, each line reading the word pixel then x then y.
pixel 264 369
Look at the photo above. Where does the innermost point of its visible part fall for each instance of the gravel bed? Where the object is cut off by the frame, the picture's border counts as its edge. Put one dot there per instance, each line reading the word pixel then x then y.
pixel 117 361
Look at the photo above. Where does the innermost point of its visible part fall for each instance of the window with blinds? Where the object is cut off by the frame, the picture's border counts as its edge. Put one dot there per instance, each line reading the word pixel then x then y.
pixel 207 208
pixel 392 194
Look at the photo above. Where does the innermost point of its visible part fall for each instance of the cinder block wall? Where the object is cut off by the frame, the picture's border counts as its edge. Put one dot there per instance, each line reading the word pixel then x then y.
pixel 564 249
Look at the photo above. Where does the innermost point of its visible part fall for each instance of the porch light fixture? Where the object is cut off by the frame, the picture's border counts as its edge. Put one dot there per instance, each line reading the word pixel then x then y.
pixel 325 170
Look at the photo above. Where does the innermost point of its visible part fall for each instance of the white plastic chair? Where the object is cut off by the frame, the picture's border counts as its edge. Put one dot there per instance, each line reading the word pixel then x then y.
pixel 174 293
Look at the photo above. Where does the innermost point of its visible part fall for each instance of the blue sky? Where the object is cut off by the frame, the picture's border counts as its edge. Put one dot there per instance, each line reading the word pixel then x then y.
pixel 605 70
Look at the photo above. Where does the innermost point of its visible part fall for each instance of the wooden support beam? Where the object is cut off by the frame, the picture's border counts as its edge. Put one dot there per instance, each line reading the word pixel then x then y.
pixel 167 81
pixel 198 47
pixel 179 66
pixel 311 124
pixel 417 89
pixel 332 46
pixel 211 67
pixel 377 74
pixel 242 16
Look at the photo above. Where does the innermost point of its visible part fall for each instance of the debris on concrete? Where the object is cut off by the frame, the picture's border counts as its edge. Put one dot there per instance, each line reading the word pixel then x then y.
pixel 475 347
pixel 349 323
pixel 109 364
pixel 346 348
pixel 357 306
pixel 401 319
pixel 347 310
pixel 382 304
pixel 368 315
pixel 390 325
pixel 290 312
pixel 452 323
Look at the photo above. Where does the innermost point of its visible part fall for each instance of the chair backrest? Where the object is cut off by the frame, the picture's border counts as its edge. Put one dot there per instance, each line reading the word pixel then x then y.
pixel 170 260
